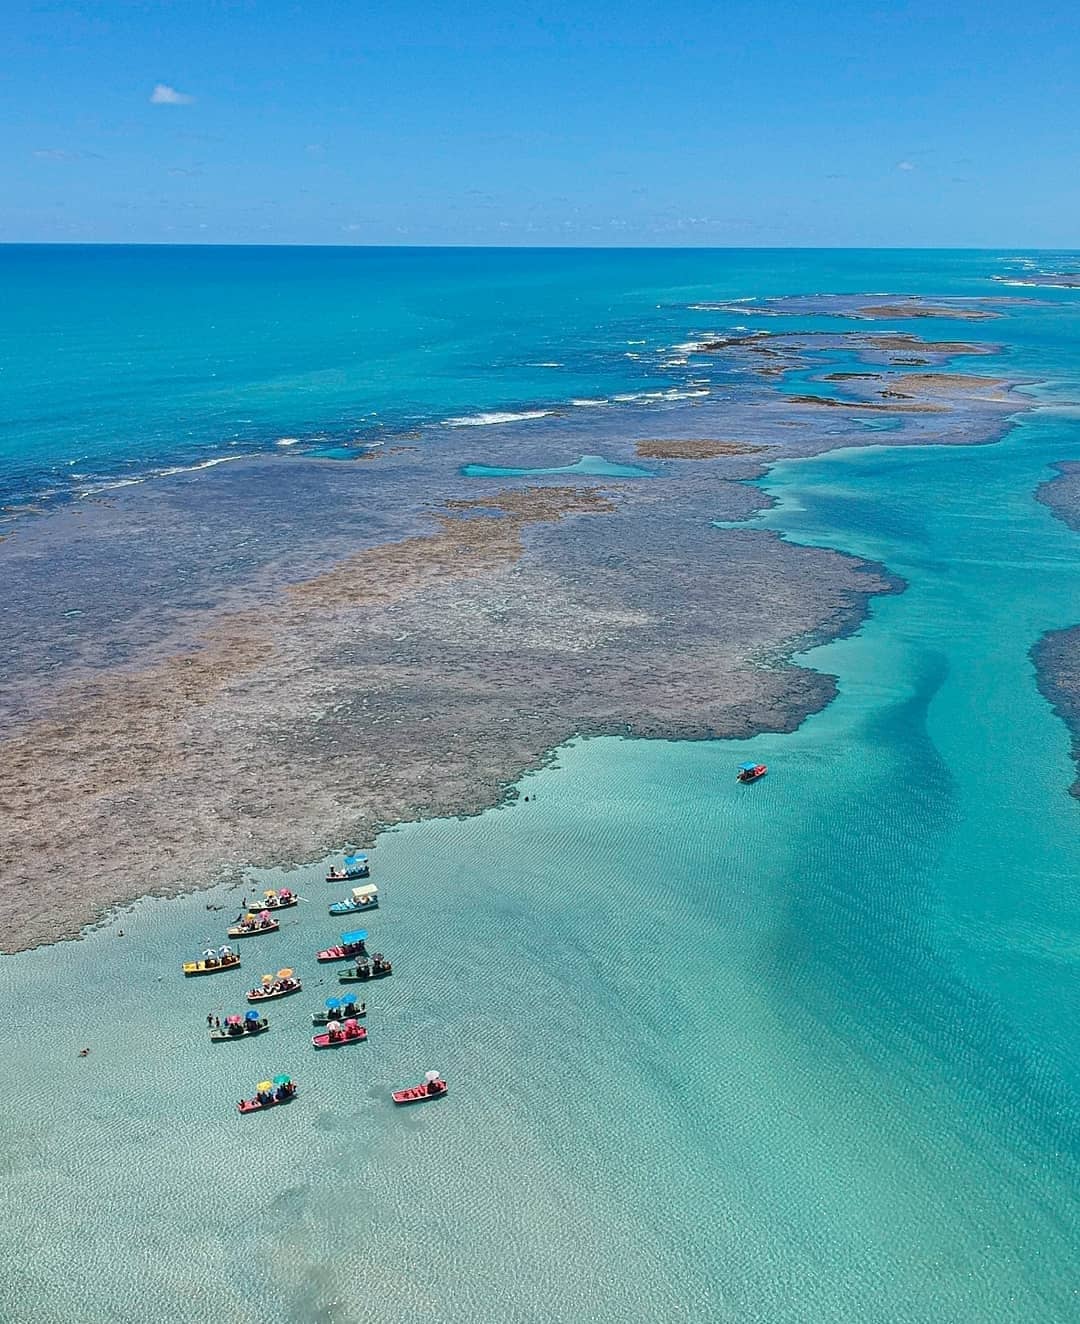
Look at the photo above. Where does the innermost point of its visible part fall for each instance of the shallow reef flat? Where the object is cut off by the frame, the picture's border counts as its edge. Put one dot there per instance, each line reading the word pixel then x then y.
pixel 251 664
pixel 1057 655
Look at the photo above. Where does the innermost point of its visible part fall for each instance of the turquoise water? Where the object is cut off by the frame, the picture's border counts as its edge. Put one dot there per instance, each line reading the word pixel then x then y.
pixel 801 1051
pixel 593 466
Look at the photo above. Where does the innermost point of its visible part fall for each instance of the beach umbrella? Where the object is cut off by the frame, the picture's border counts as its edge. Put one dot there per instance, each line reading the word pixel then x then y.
pixel 264 915
pixel 267 979
pixel 209 954
pixel 252 1015
pixel 332 1025
pixel 431 1077
pixel 284 974
pixel 331 1003
pixel 283 1080
pixel 263 1086
pixel 350 1024
pixel 232 1020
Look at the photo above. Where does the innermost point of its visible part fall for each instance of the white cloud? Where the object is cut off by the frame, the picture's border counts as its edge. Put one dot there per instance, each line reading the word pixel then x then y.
pixel 905 165
pixel 164 95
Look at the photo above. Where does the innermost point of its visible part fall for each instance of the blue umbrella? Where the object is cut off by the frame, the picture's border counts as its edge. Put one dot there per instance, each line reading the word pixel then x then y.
pixel 331 1003
pixel 252 1015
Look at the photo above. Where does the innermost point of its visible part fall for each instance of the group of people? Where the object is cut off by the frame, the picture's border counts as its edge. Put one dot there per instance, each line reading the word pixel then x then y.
pixel 378 965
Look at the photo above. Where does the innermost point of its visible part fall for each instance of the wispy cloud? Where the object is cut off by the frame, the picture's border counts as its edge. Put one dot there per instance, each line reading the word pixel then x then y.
pixel 905 165
pixel 64 154
pixel 164 95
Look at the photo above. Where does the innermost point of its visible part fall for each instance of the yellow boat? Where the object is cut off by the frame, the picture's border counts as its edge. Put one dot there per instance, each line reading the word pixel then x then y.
pixel 212 962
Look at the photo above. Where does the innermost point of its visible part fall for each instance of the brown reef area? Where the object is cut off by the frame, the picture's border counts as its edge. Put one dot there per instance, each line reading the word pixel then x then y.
pixel 253 664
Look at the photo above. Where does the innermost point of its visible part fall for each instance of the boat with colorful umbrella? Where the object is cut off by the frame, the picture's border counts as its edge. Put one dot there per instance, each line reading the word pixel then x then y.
pixel 280 985
pixel 434 1087
pixel 356 866
pixel 282 899
pixel 239 1027
pixel 351 944
pixel 339 1009
pixel 268 1094
pixel 750 772
pixel 365 897
pixel 377 968
pixel 340 1033
pixel 253 924
pixel 212 962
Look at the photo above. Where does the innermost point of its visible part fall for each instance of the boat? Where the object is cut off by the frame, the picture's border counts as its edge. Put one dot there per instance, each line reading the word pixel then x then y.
pixel 268 1094
pixel 377 968
pixel 362 898
pixel 356 866
pixel 345 1007
pixel 252 924
pixel 240 1027
pixel 750 772
pixel 434 1087
pixel 280 985
pixel 351 944
pixel 212 962
pixel 282 899
pixel 339 1034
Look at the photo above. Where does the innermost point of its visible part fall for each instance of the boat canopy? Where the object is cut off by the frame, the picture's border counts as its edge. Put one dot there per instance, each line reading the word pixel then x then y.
pixel 369 889
pixel 357 935
pixel 747 767
pixel 355 861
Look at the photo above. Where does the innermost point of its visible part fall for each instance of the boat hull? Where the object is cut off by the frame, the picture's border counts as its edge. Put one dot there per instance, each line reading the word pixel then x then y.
pixel 353 876
pixel 753 775
pixel 253 933
pixel 418 1094
pixel 324 1040
pixel 194 968
pixel 254 1106
pixel 324 1017
pixel 351 907
pixel 221 1036
pixel 354 978
pixel 258 996
pixel 330 954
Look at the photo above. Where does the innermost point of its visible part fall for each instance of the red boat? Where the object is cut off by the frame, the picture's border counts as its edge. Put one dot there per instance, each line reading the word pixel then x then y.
pixel 269 1096
pixel 750 772
pixel 434 1087
pixel 351 944
pixel 349 1033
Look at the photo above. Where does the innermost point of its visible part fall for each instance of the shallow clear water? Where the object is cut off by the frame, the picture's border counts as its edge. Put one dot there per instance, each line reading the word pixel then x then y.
pixel 804 1050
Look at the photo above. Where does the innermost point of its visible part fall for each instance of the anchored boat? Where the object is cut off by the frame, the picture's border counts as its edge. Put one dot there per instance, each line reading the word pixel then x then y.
pixel 356 866
pixel 344 1008
pixel 212 962
pixel 434 1087
pixel 253 924
pixel 275 986
pixel 338 1035
pixel 362 898
pixel 268 1094
pixel 282 899
pixel 750 772
pixel 352 944
pixel 377 968
pixel 240 1027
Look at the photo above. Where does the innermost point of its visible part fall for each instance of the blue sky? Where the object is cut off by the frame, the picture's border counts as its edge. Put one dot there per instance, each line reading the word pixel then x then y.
pixel 551 123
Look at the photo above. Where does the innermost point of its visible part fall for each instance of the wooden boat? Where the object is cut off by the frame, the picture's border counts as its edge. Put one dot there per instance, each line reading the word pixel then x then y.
pixel 750 772
pixel 281 986
pixel 252 925
pixel 434 1087
pixel 279 900
pixel 240 1027
pixel 351 944
pixel 348 1034
pixel 362 898
pixel 376 968
pixel 269 1095
pixel 212 963
pixel 356 866
pixel 344 1008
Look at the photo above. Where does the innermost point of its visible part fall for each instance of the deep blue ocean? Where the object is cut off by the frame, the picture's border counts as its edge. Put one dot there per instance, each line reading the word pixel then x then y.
pixel 799 1053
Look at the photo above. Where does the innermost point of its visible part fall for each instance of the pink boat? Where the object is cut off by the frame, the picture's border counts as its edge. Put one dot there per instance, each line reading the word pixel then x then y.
pixel 434 1087
pixel 337 1036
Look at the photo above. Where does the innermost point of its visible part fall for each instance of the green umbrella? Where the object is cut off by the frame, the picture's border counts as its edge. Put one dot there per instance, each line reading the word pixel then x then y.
pixel 283 1080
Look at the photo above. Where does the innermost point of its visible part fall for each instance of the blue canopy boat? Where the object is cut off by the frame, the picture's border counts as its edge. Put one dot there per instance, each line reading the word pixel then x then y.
pixel 356 866
pixel 750 772
pixel 352 944
pixel 362 898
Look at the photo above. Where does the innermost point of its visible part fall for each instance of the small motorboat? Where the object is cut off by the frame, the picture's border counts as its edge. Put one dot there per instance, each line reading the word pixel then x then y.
pixel 253 924
pixel 344 1008
pixel 750 772
pixel 280 985
pixel 240 1027
pixel 356 866
pixel 338 1034
pixel 434 1087
pixel 351 944
pixel 268 1094
pixel 362 898
pixel 377 968
pixel 282 899
pixel 212 962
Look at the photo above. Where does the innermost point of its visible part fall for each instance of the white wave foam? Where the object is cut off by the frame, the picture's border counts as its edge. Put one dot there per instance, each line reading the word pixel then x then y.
pixel 486 420
pixel 673 394
pixel 590 404
pixel 287 441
